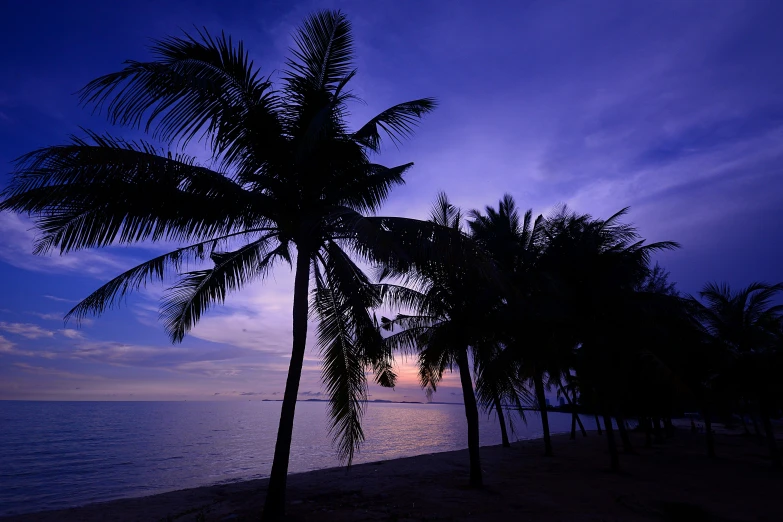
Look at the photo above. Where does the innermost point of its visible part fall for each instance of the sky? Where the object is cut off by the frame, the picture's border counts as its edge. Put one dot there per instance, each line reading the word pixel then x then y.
pixel 674 108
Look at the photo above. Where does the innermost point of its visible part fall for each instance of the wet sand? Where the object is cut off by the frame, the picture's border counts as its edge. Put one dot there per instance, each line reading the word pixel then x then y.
pixel 671 481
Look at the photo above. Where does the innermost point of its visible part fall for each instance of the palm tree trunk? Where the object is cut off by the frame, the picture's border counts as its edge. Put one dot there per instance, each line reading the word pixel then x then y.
pixel 598 424
pixel 615 458
pixel 627 447
pixel 708 432
pixel 647 431
pixel 668 427
pixel 471 412
pixel 753 419
pixel 579 420
pixel 771 442
pixel 573 426
pixel 502 421
pixel 274 506
pixel 574 414
pixel 659 439
pixel 745 429
pixel 539 385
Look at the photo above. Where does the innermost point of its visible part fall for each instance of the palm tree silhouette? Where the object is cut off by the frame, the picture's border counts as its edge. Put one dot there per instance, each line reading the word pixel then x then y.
pixel 446 305
pixel 746 326
pixel 286 173
pixel 597 265
pixel 515 245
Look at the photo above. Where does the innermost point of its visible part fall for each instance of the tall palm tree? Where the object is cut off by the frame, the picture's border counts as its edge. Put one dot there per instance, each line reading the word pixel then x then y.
pixel 745 325
pixel 446 303
pixel 286 174
pixel 514 243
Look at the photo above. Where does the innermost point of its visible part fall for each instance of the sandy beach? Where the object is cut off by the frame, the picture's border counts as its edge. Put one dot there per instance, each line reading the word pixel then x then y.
pixel 673 481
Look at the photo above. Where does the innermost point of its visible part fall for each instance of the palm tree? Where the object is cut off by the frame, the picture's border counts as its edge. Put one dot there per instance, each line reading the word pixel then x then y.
pixel 745 325
pixel 570 392
pixel 530 308
pixel 446 304
pixel 286 174
pixel 597 264
pixel 496 383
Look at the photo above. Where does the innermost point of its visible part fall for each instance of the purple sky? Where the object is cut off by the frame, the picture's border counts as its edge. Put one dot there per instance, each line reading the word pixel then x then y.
pixel 674 108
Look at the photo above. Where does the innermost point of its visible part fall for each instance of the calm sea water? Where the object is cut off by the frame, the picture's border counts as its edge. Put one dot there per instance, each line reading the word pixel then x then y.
pixel 61 454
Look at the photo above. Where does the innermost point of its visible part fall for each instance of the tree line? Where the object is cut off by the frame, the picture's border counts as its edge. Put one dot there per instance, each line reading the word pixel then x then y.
pixel 573 304
pixel 518 305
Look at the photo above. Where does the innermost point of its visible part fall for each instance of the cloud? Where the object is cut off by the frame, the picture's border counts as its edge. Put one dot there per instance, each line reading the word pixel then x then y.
pixel 125 354
pixel 60 316
pixel 30 331
pixel 71 333
pixel 48 317
pixel 6 346
pixel 54 372
pixel 61 299
pixel 9 348
pixel 17 246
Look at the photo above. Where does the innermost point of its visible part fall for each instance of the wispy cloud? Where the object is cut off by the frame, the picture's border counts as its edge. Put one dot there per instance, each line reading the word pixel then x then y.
pixel 28 330
pixel 55 372
pixel 17 246
pixel 70 333
pixel 5 345
pixel 48 317
pixel 9 348
pixel 60 299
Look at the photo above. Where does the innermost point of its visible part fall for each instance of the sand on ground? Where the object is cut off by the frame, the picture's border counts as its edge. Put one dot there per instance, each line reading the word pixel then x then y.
pixel 671 481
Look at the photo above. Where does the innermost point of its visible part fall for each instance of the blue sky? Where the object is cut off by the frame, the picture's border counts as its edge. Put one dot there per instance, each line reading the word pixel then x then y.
pixel 674 108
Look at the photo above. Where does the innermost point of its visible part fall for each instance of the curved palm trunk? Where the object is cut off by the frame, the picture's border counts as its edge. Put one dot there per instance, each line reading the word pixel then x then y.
pixel 502 421
pixel 274 506
pixel 598 424
pixel 539 385
pixel 471 412
pixel 771 442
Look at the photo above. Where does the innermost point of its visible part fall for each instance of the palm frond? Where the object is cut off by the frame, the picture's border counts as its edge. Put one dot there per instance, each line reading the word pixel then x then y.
pixel 87 195
pixel 360 295
pixel 323 57
pixel 196 84
pixel 343 368
pixel 404 298
pixel 189 298
pixel 108 295
pixel 397 122
pixel 364 189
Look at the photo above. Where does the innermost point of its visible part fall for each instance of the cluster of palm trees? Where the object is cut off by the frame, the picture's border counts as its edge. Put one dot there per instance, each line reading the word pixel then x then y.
pixel 518 305
pixel 572 304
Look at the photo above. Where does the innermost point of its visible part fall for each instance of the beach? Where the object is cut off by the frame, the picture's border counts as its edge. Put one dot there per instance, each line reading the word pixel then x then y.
pixel 671 481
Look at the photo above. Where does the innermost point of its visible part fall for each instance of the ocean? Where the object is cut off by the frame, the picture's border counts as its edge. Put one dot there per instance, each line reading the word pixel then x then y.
pixel 55 455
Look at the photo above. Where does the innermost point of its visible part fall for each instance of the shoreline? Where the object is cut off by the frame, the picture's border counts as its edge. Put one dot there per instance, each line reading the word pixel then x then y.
pixel 519 483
